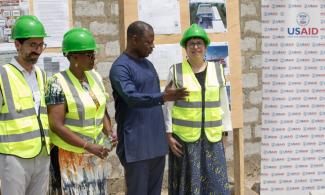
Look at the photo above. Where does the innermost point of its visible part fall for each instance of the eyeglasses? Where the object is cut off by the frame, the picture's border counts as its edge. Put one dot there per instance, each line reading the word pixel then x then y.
pixel 89 55
pixel 36 46
pixel 193 44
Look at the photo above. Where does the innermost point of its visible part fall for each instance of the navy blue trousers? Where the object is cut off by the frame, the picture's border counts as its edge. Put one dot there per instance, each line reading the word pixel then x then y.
pixel 144 177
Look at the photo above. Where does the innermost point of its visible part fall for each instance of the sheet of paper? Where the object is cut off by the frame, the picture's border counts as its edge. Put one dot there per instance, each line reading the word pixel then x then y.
pixel 164 56
pixel 218 51
pixel 164 16
pixel 55 17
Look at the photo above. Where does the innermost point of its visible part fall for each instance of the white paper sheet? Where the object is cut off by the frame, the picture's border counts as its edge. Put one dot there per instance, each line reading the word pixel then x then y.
pixel 163 15
pixel 164 56
pixel 55 17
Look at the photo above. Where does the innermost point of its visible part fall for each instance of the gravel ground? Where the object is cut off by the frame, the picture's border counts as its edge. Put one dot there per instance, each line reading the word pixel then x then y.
pixel 252 171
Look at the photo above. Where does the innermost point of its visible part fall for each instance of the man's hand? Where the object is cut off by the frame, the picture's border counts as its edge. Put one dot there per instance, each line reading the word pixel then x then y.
pixel 174 145
pixel 222 61
pixel 174 94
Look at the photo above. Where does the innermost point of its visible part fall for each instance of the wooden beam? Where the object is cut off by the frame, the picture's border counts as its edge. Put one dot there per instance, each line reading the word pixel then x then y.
pixel 122 26
pixel 239 174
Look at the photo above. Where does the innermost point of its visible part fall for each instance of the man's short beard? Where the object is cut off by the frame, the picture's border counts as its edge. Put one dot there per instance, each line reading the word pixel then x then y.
pixel 31 60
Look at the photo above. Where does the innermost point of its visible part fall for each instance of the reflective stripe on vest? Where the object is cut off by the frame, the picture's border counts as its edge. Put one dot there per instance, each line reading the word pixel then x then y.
pixel 187 115
pixel 19 126
pixel 21 113
pixel 185 104
pixel 22 137
pixel 82 118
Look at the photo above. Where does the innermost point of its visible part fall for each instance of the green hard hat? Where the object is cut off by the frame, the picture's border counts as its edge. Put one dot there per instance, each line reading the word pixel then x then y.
pixel 78 39
pixel 27 27
pixel 195 31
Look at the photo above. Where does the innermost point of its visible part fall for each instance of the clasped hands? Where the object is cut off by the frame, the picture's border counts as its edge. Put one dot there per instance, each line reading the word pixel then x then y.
pixel 100 150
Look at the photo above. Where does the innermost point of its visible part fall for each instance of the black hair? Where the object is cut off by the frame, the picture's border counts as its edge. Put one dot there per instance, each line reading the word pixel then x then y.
pixel 22 40
pixel 138 28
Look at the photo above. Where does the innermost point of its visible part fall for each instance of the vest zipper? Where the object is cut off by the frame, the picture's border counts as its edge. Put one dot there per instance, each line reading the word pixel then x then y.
pixel 41 127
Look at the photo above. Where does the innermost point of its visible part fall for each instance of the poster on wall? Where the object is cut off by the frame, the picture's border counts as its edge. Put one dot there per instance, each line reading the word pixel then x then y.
pixel 10 10
pixel 164 16
pixel 218 52
pixel 53 14
pixel 209 14
pixel 164 56
pixel 293 122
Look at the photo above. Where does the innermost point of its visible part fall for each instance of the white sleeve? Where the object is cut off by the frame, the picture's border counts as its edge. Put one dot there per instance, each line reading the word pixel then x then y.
pixel 226 119
pixel 167 107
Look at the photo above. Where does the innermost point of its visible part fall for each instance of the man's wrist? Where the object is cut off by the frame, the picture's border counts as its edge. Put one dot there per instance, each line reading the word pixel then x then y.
pixel 161 99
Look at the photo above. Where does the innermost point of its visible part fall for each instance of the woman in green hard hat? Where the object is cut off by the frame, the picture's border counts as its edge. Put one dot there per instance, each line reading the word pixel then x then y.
pixel 76 102
pixel 195 126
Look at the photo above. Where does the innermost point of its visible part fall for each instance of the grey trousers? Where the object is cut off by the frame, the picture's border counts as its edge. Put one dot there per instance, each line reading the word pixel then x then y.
pixel 24 176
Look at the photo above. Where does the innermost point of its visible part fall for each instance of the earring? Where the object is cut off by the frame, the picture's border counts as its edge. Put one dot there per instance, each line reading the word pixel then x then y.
pixel 76 65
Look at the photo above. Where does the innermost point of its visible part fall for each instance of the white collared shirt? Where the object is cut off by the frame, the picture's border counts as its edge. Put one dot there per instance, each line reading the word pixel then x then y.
pixel 32 82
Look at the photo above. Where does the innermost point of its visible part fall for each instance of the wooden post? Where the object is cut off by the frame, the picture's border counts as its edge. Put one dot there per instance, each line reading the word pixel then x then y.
pixel 239 162
pixel 122 26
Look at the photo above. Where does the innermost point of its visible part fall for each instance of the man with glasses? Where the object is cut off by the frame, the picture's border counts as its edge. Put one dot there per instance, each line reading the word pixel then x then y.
pixel 24 141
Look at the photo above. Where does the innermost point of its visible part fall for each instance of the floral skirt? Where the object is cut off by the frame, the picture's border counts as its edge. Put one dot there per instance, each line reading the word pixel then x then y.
pixel 202 169
pixel 81 174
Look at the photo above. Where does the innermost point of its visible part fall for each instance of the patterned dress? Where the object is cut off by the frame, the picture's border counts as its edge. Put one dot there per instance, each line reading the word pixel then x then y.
pixel 73 173
pixel 201 170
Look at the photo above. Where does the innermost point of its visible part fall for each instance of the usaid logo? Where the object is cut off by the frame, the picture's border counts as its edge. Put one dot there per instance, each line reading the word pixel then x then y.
pixel 303 19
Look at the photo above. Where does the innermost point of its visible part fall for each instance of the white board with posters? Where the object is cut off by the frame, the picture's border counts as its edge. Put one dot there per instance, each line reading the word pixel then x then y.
pixel 52 14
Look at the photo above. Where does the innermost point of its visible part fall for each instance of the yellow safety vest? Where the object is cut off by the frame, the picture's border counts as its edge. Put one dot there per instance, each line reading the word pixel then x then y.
pixel 22 132
pixel 187 115
pixel 82 118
